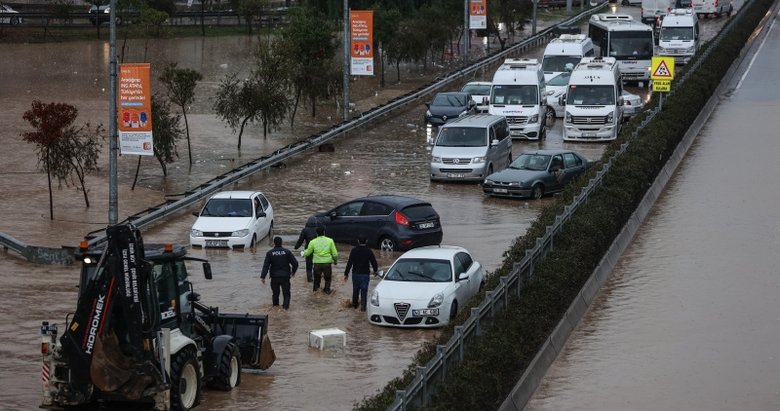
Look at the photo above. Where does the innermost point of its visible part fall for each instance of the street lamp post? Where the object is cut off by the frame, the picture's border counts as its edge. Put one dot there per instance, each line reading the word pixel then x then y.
pixel 113 197
pixel 346 61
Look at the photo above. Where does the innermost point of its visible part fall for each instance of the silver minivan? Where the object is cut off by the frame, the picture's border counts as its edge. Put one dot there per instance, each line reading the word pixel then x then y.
pixel 470 148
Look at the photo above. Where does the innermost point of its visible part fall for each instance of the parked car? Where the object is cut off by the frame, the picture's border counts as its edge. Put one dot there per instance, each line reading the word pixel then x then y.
pixel 9 15
pixel 448 105
pixel 425 287
pixel 632 104
pixel 556 88
pixel 536 173
pixel 102 14
pixel 389 222
pixel 480 93
pixel 233 219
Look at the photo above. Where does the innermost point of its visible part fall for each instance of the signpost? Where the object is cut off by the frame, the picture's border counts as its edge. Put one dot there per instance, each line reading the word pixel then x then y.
pixel 662 74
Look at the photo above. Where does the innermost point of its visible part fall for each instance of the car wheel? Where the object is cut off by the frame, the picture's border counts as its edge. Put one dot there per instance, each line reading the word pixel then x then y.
pixel 537 192
pixel 118 21
pixel 15 21
pixel 625 3
pixel 386 243
pixel 252 241
pixel 271 232
pixel 453 309
pixel 490 170
pixel 509 159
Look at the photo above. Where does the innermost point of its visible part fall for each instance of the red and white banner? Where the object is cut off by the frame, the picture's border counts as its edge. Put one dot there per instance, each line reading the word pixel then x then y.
pixel 134 109
pixel 361 24
pixel 477 14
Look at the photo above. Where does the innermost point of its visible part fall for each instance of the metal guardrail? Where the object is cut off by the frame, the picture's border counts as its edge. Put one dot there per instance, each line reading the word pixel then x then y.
pixel 10 243
pixel 420 391
pixel 160 211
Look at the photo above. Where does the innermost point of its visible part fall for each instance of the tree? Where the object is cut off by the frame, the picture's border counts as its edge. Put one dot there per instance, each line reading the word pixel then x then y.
pixel 76 154
pixel 251 10
pixel 62 148
pixel 165 130
pixel 180 85
pixel 386 31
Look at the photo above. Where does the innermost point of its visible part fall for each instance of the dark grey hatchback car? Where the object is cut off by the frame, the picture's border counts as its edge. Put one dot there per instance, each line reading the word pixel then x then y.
pixel 389 222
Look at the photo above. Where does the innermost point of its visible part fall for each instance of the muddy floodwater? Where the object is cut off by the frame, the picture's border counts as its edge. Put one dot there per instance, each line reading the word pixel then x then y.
pixel 390 157
pixel 690 318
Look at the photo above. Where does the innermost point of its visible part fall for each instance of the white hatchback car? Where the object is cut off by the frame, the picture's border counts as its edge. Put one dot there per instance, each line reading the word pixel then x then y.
pixel 425 287
pixel 233 219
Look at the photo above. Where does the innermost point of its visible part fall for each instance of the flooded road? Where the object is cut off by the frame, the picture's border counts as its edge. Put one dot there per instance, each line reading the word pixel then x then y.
pixel 689 318
pixel 391 157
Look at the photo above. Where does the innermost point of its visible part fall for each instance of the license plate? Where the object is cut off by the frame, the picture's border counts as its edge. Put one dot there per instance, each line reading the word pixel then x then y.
pixel 216 243
pixel 426 312
pixel 589 134
pixel 499 190
pixel 456 175
pixel 426 225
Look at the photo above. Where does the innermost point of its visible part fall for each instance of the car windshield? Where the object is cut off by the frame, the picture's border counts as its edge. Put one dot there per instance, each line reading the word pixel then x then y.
pixel 560 80
pixel 676 33
pixel 449 100
pixel 629 45
pixel 525 94
pixel 461 137
pixel 537 162
pixel 420 270
pixel 477 89
pixel 594 95
pixel 228 207
pixel 558 63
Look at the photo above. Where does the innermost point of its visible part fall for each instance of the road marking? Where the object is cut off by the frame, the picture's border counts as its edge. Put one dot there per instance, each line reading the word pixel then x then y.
pixel 753 59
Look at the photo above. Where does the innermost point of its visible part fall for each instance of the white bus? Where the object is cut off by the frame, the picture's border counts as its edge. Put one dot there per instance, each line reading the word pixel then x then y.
pixel 627 40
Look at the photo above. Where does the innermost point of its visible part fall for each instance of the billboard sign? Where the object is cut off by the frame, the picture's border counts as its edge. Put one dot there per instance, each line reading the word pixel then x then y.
pixel 477 14
pixel 134 109
pixel 361 31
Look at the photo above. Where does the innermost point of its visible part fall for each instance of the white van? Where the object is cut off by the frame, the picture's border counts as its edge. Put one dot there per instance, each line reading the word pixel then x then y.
pixel 712 7
pixel 655 9
pixel 565 50
pixel 470 148
pixel 679 35
pixel 594 101
pixel 518 93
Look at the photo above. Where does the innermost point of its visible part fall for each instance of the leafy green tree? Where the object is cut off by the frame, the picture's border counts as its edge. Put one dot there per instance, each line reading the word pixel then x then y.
pixel 251 10
pixel 180 85
pixel 76 154
pixel 166 130
pixel 310 43
pixel 152 22
pixel 62 148
pixel 386 32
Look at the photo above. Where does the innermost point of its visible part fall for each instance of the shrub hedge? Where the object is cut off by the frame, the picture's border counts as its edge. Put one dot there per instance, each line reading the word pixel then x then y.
pixel 494 364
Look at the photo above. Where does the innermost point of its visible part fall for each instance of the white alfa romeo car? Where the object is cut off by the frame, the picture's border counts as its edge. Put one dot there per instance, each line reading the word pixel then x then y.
pixel 233 219
pixel 425 287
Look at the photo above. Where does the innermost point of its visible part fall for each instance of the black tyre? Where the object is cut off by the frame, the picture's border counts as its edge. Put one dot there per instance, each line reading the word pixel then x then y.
pixel 271 233
pixel 229 373
pixel 387 243
pixel 537 192
pixel 453 309
pixel 625 3
pixel 509 160
pixel 253 241
pixel 185 380
pixel 550 114
pixel 490 170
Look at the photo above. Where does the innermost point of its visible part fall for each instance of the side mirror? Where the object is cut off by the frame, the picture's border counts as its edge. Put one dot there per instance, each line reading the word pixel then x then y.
pixel 381 273
pixel 332 215
pixel 207 271
pixel 260 213
pixel 620 101
pixel 463 276
pixel 562 100
pixel 494 142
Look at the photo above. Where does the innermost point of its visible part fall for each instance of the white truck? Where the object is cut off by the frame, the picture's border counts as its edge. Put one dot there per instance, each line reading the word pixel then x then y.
pixel 518 93
pixel 712 7
pixel 679 36
pixel 630 42
pixel 593 101
pixel 565 51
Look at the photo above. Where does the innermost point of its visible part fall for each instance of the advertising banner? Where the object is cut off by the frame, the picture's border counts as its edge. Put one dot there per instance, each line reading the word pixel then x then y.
pixel 134 109
pixel 477 14
pixel 361 31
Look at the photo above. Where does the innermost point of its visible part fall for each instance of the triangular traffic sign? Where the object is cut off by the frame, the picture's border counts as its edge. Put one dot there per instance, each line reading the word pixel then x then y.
pixel 662 70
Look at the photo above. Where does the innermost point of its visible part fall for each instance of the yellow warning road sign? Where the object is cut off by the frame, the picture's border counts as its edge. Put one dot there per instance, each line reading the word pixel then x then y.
pixel 662 68
pixel 662 85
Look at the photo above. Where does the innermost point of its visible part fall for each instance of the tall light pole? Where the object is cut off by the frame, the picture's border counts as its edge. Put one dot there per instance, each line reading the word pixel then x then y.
pixel 113 203
pixel 346 61
pixel 466 37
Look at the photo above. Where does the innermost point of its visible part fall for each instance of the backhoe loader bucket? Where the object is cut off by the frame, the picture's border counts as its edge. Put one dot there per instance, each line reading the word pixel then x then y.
pixel 250 334
pixel 112 371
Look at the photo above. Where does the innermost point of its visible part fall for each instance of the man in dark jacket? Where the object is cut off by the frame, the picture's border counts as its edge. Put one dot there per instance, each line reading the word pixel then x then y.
pixel 308 233
pixel 282 264
pixel 360 258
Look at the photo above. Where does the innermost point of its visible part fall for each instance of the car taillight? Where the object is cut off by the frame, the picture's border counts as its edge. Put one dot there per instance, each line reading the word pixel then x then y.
pixel 401 219
pixel 716 4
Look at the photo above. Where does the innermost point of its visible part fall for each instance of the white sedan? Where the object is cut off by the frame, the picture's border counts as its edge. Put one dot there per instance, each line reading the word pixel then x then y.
pixel 9 15
pixel 425 287
pixel 632 104
pixel 233 219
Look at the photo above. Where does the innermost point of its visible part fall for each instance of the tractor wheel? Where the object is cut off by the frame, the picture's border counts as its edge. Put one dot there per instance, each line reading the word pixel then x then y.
pixel 229 373
pixel 185 381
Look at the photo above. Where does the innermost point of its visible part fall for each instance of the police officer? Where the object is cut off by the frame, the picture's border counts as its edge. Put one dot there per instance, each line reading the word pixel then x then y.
pixel 282 264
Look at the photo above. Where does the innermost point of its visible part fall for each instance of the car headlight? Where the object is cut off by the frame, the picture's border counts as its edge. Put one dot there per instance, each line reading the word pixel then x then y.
pixel 428 113
pixel 690 49
pixel 240 233
pixel 463 113
pixel 611 117
pixel 488 181
pixel 375 298
pixel 478 160
pixel 568 117
pixel 435 159
pixel 436 300
pixel 534 119
pixel 196 233
pixel 516 183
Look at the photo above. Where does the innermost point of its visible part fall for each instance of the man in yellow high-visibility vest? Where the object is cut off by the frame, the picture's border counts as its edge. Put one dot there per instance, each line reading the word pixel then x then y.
pixel 323 252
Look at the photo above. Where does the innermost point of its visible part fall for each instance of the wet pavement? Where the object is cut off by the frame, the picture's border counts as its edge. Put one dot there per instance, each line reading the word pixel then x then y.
pixel 391 157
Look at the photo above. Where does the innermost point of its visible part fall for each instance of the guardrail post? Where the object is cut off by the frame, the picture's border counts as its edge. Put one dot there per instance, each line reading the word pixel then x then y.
pixel 422 375
pixel 475 315
pixel 440 353
pixel 400 395
pixel 459 334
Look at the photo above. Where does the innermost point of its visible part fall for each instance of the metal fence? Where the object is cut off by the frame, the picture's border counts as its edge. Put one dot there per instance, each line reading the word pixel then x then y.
pixel 422 388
